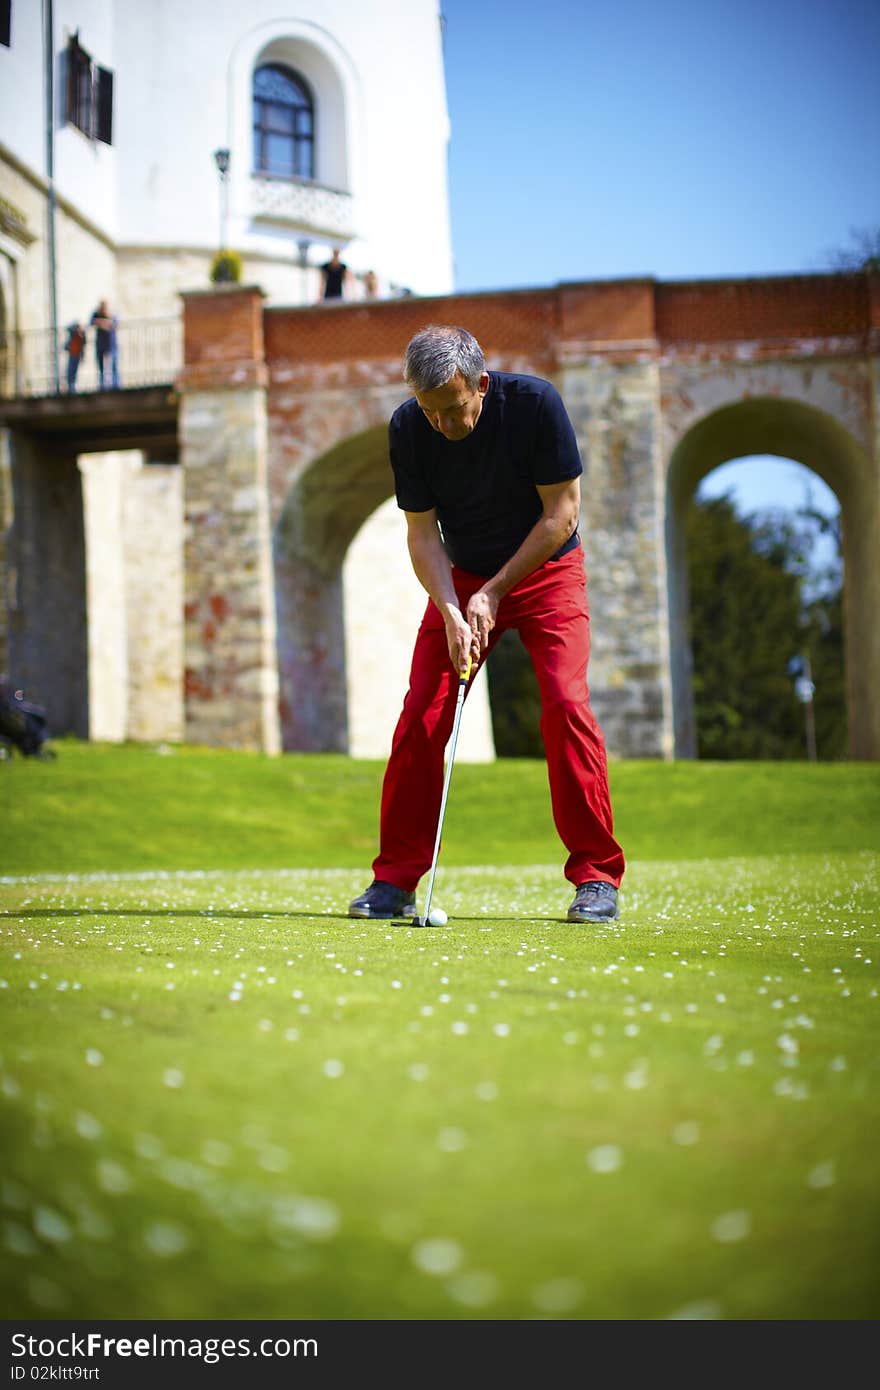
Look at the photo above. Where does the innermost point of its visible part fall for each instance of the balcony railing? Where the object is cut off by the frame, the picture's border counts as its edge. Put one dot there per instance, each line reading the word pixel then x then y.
pixel 309 206
pixel 149 353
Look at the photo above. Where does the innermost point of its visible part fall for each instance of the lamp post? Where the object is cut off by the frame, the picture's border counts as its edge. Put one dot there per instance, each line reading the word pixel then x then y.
pixel 303 249
pixel 804 689
pixel 221 159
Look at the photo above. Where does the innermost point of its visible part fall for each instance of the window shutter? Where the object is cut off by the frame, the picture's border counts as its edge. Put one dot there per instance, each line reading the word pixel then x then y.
pixel 104 86
pixel 70 84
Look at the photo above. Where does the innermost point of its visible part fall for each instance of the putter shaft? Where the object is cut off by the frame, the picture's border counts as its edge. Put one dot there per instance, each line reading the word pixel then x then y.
pixel 463 678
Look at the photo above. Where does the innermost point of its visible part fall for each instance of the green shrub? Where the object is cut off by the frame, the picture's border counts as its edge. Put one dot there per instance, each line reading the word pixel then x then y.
pixel 226 268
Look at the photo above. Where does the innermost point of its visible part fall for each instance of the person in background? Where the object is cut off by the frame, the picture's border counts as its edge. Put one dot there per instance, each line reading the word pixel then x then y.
pixel 106 324
pixel 335 276
pixel 371 285
pixel 74 346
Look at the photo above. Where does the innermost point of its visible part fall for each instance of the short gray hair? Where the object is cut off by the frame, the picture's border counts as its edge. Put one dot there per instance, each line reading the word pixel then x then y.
pixel 437 352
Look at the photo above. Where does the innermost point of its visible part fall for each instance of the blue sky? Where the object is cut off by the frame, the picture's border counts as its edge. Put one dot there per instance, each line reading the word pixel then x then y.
pixel 675 138
pixel 593 139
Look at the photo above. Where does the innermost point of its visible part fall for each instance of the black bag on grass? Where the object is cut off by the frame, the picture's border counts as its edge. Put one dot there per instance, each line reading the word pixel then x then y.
pixel 23 725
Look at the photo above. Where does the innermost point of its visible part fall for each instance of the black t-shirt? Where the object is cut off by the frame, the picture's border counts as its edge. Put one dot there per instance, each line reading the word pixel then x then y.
pixel 485 485
pixel 335 278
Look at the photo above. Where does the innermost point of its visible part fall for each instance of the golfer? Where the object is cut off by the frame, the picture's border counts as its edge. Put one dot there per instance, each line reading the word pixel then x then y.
pixel 487 471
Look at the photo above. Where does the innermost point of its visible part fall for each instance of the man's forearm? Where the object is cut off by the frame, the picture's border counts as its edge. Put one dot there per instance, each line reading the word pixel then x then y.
pixel 433 571
pixel 544 539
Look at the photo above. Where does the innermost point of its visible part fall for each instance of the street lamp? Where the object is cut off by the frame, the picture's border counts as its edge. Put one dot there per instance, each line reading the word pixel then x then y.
pixel 805 689
pixel 303 247
pixel 221 159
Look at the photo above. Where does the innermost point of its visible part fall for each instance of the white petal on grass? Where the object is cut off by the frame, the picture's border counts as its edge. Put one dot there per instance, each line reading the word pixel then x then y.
pixel 605 1158
pixel 701 1310
pixel 50 1225
pixel 451 1139
pixel 273 1159
pixel 731 1226
pixel 112 1177
pixel 475 1288
pixel 173 1078
pixel 94 1057
pixel 215 1152
pixel 333 1067
pixel 314 1217
pixel 823 1175
pixel 86 1126
pixel 486 1090
pixel 165 1239
pixel 437 1256
pixel 558 1295
pixel 688 1132
pixel 148 1146
pixel 17 1240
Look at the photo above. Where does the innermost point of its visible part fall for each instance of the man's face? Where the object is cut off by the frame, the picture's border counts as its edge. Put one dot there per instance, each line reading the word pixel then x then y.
pixel 453 410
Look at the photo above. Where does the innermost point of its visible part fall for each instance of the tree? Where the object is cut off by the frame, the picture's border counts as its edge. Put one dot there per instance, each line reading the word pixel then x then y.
pixel 514 700
pixel 863 254
pixel 757 604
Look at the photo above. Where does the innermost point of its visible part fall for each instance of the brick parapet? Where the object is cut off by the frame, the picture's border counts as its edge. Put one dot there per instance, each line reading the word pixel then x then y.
pixel 223 342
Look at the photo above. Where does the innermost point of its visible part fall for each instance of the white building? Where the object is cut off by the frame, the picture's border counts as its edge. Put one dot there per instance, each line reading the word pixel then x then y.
pixel 180 127
pixel 333 116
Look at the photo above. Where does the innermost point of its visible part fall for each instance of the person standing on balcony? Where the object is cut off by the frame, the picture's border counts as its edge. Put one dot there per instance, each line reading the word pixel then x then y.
pixel 74 346
pixel 106 346
pixel 335 276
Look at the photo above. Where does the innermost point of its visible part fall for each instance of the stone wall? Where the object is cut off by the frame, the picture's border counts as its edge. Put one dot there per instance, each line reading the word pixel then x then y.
pixel 283 445
pixel 134 566
pixel 231 686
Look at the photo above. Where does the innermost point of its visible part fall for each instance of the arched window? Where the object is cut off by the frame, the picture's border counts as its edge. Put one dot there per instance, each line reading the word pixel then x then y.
pixel 284 123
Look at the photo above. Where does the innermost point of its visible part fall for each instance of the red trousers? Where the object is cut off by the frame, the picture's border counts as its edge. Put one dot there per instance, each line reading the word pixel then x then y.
pixel 549 609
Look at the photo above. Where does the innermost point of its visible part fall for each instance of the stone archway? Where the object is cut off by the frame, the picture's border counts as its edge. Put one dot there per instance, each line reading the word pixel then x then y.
pixel 323 705
pixel 791 429
pixel 322 512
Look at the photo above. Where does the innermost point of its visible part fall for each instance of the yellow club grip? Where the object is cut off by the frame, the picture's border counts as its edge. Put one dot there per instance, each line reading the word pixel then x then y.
pixel 465 673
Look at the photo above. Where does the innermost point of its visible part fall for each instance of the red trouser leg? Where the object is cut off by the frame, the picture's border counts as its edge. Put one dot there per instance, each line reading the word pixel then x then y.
pixel 413 785
pixel 549 608
pixel 556 635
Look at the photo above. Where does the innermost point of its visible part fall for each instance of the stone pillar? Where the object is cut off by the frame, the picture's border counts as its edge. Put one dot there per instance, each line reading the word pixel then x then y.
pixel 6 571
pixel 861 592
pixel 609 380
pixel 231 681
pixel 47 642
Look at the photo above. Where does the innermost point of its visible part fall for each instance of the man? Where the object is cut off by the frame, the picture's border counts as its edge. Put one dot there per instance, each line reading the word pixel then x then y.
pixel 75 345
pixel 487 471
pixel 334 276
pixel 105 324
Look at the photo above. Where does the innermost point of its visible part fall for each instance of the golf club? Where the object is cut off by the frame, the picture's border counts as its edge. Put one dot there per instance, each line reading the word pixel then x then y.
pixel 424 919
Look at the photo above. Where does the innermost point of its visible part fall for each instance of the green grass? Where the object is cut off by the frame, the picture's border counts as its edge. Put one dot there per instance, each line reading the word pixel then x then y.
pixel 106 807
pixel 223 1099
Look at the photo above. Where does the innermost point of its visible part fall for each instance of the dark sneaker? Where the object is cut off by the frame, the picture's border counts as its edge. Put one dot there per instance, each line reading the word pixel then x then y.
pixel 595 901
pixel 383 900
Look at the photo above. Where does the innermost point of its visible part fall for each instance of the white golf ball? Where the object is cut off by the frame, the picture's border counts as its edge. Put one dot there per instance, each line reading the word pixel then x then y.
pixel 437 917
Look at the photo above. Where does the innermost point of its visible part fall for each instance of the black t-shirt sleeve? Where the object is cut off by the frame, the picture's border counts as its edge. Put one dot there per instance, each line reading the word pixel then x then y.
pixel 556 457
pixel 410 486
